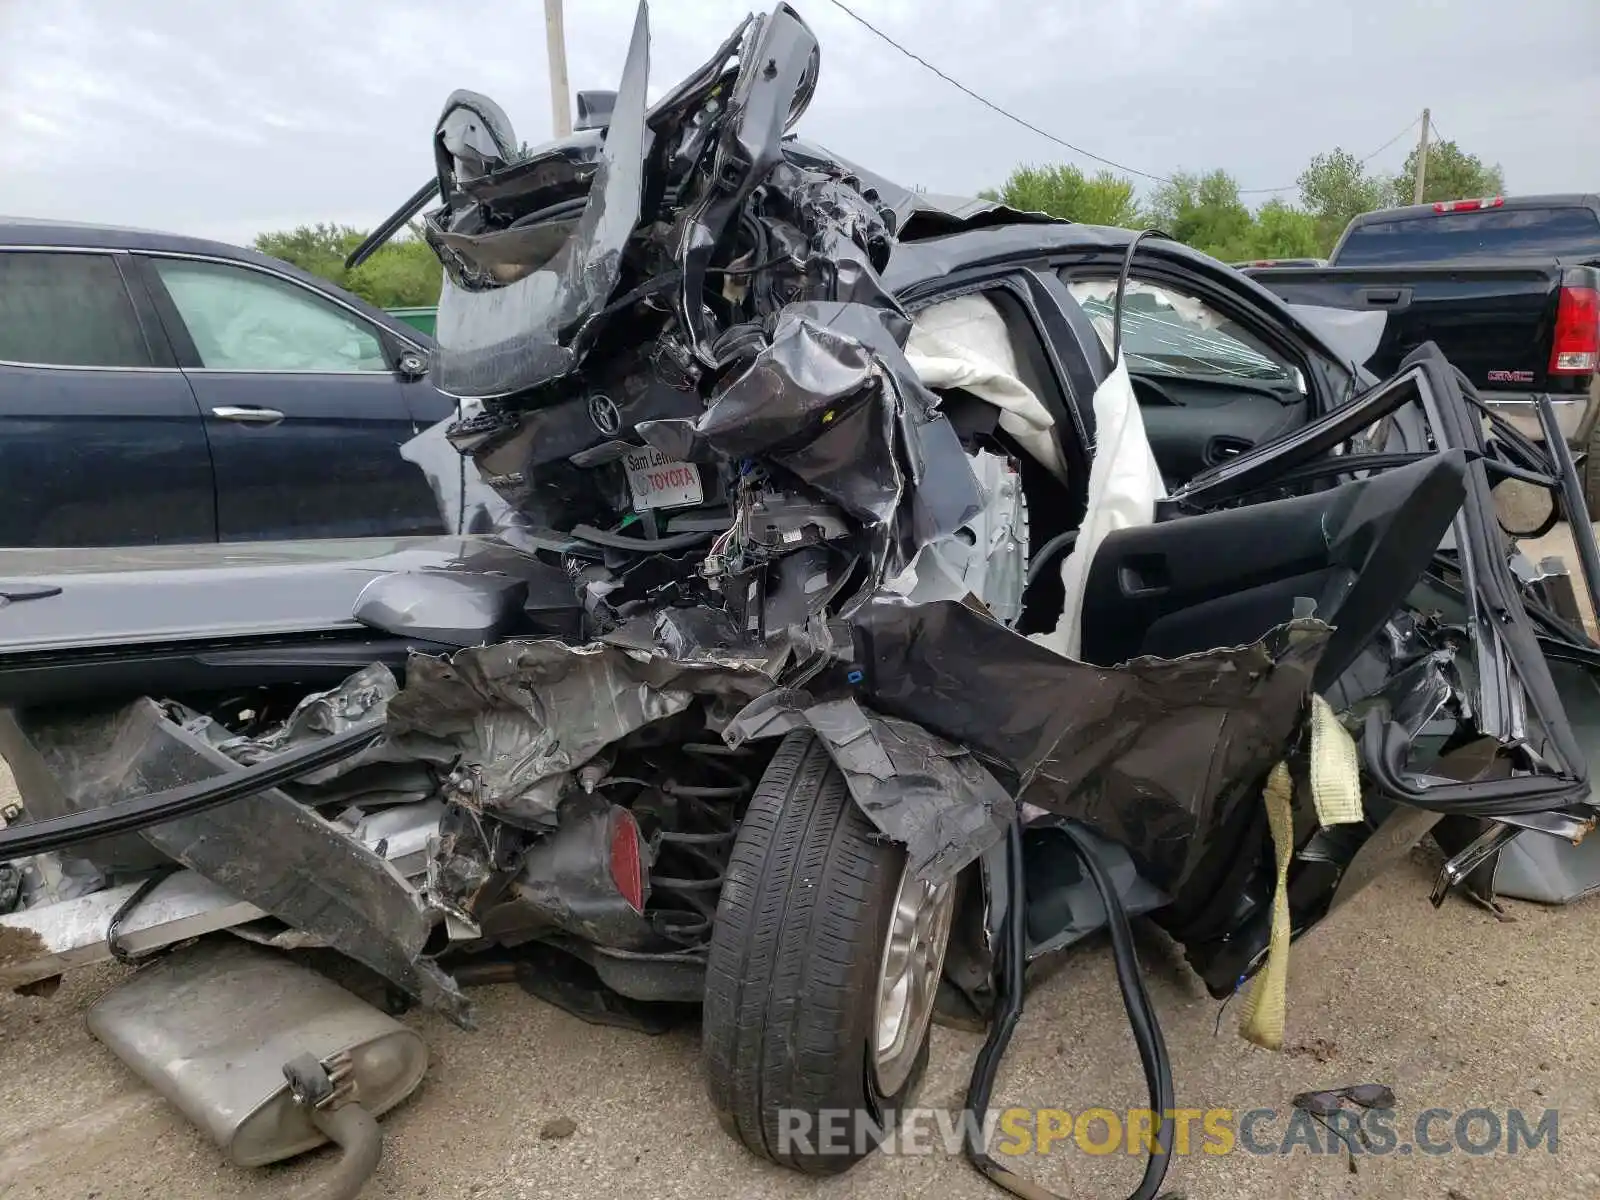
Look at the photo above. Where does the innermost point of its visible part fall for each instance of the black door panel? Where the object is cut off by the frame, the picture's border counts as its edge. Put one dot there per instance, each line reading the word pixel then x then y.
pixel 330 468
pixel 101 442
pixel 1226 578
pixel 102 458
pixel 304 411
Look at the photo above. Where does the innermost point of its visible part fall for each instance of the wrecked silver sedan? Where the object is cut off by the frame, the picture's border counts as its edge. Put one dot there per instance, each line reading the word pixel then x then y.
pixel 865 595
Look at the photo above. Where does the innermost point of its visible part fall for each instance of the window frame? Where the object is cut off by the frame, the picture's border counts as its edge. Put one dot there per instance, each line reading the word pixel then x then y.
pixel 1322 388
pixel 1057 323
pixel 391 343
pixel 1261 347
pixel 151 329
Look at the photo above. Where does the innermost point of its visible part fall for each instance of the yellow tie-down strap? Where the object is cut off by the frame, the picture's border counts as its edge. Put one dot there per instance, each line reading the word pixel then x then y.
pixel 1336 795
pixel 1335 768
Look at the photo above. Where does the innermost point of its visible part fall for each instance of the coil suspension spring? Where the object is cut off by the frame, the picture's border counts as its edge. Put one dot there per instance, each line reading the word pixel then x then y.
pixel 691 860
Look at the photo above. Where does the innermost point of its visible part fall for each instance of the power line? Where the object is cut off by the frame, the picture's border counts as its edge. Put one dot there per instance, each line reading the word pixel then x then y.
pixel 1046 134
pixel 1391 141
pixel 1363 161
pixel 1410 125
pixel 987 103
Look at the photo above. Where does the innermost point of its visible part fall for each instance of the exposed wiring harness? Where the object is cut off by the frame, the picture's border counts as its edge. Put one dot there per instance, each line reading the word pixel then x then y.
pixel 621 541
pixel 1141 1019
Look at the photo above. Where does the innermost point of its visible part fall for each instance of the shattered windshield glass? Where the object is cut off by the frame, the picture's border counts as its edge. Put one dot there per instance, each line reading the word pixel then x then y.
pixel 1165 333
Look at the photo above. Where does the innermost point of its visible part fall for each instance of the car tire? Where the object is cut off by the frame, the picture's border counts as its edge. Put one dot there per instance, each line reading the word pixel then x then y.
pixel 792 1003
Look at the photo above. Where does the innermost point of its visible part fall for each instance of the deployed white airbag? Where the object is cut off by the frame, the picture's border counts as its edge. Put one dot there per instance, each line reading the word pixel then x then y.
pixel 963 343
pixel 1124 485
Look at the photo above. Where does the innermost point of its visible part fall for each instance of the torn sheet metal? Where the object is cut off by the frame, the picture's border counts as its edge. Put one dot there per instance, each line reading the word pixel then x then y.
pixel 266 849
pixel 926 793
pixel 842 223
pixel 833 400
pixel 776 79
pixel 494 340
pixel 62 932
pixel 1157 754
pixel 987 557
pixel 358 700
pixel 522 714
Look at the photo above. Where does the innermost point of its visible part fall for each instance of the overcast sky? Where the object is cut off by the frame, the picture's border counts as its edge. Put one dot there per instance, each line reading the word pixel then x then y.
pixel 226 118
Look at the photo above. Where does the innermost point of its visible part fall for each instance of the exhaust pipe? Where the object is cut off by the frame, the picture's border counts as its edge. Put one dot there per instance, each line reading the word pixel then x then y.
pixel 345 1123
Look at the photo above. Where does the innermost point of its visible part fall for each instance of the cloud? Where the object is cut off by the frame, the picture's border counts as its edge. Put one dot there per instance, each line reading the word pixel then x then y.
pixel 229 119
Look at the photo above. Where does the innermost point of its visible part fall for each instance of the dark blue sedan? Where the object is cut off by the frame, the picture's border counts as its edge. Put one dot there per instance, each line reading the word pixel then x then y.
pixel 165 389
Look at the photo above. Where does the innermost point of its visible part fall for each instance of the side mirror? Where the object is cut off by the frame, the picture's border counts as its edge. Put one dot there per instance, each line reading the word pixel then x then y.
pixel 595 109
pixel 413 365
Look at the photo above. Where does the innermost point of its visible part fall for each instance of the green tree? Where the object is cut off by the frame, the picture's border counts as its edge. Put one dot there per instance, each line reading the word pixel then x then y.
pixel 1206 212
pixel 1335 187
pixel 1453 174
pixel 1065 191
pixel 320 248
pixel 402 274
pixel 1283 231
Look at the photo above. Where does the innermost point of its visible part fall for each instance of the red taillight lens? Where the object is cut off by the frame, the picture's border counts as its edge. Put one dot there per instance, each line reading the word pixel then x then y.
pixel 627 861
pixel 1577 344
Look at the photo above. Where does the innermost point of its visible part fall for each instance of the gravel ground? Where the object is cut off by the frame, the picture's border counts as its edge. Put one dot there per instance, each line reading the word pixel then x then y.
pixel 1455 1009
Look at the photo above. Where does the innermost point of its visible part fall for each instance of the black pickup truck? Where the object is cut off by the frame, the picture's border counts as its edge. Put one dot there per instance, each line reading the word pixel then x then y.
pixel 1508 287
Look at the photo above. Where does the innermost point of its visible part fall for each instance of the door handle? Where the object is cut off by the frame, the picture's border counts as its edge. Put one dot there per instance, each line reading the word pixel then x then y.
pixel 247 416
pixel 1381 297
pixel 1140 576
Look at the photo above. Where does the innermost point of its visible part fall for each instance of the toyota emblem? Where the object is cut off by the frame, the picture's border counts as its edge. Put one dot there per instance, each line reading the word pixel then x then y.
pixel 604 413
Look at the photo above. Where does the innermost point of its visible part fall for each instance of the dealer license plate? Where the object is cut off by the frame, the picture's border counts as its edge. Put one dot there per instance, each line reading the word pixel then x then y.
pixel 659 482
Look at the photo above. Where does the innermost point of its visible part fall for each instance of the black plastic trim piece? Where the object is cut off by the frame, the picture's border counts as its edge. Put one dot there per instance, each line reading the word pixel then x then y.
pixel 141 812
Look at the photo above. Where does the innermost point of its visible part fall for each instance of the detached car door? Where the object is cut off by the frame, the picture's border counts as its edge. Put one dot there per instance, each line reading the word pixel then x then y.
pixel 101 441
pixel 302 404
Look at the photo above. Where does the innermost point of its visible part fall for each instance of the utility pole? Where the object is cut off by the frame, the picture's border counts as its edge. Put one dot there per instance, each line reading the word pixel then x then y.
pixel 556 38
pixel 1422 162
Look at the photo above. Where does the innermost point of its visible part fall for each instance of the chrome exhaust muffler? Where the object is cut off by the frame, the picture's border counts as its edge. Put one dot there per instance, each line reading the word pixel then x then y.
pixel 266 1056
